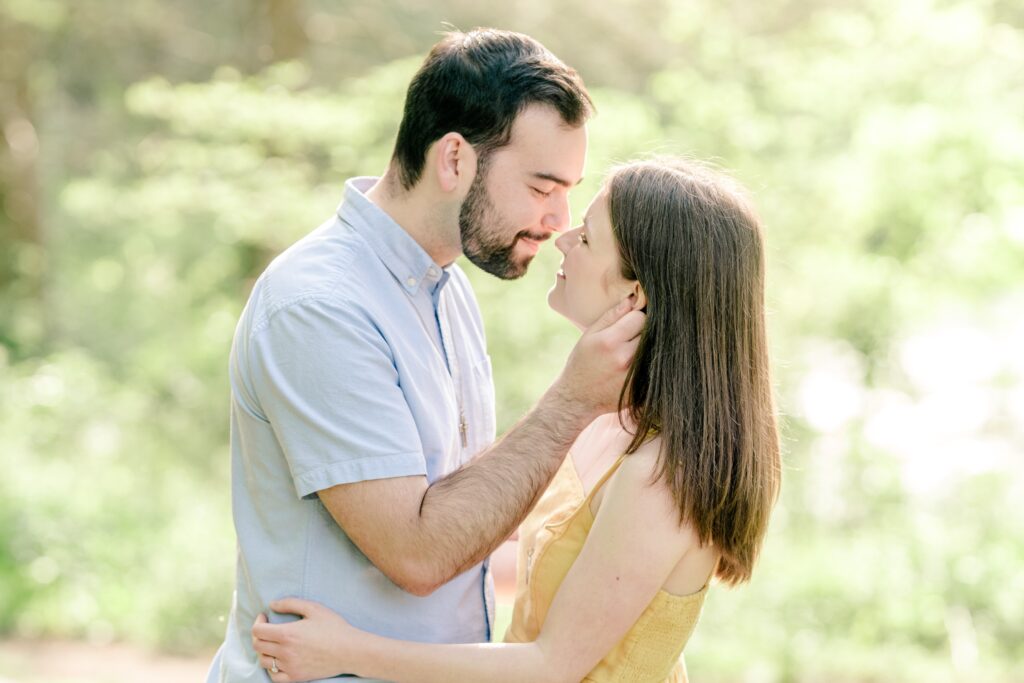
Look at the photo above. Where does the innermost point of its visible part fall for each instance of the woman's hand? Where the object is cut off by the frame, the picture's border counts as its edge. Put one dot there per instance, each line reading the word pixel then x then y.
pixel 319 645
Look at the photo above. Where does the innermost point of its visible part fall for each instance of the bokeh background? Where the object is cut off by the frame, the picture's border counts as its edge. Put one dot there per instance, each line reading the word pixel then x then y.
pixel 157 154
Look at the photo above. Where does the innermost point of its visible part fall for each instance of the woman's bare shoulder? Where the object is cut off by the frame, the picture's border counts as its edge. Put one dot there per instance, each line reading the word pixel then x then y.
pixel 646 460
pixel 641 480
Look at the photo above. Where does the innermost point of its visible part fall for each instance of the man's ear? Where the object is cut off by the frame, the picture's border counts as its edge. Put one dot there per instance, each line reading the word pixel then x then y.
pixel 455 162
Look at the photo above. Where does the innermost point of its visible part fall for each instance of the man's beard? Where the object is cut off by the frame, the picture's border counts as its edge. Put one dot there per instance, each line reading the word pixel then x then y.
pixel 481 228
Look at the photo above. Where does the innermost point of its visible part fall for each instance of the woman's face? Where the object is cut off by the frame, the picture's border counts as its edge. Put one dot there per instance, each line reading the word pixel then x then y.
pixel 590 280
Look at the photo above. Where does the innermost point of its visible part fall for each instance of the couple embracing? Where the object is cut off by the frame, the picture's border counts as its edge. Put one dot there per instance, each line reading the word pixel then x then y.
pixel 368 488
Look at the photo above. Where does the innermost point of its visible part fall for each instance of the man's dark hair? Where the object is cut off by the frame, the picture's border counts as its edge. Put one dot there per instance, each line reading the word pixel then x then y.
pixel 475 84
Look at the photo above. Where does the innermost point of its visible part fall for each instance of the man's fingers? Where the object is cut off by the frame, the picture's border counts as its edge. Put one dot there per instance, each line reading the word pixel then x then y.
pixel 613 314
pixel 628 327
pixel 628 350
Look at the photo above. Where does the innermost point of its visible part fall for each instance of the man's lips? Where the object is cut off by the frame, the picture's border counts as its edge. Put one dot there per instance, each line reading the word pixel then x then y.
pixel 531 237
pixel 532 242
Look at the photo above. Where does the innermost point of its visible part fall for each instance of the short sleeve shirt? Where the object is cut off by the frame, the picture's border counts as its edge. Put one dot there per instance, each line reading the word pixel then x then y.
pixel 357 357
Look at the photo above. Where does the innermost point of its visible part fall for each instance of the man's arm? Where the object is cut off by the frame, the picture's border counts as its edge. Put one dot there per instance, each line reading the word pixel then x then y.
pixel 422 536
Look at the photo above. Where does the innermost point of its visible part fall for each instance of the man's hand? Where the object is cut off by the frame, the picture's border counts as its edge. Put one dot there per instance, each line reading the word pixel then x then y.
pixel 596 370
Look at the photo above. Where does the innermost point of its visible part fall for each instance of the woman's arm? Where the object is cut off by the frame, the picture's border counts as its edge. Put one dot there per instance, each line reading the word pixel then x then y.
pixel 632 548
pixel 322 644
pixel 634 545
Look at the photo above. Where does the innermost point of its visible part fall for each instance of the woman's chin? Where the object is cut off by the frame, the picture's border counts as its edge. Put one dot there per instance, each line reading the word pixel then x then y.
pixel 555 305
pixel 579 325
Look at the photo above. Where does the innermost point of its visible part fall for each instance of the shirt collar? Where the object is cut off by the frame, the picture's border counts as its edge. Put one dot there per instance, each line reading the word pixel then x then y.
pixel 408 262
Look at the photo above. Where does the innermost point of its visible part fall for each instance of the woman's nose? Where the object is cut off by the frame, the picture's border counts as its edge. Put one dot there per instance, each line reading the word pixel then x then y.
pixel 565 241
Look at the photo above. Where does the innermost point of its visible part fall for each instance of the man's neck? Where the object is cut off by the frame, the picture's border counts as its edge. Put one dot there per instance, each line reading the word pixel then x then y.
pixel 422 217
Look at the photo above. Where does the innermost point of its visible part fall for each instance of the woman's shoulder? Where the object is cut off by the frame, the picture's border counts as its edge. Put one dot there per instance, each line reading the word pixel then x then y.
pixel 638 515
pixel 646 461
pixel 641 485
pixel 642 469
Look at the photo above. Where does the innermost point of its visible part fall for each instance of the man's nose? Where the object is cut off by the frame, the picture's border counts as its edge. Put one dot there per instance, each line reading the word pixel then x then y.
pixel 557 217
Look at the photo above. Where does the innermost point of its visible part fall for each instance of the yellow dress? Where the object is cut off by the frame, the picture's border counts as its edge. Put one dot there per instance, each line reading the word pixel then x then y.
pixel 550 540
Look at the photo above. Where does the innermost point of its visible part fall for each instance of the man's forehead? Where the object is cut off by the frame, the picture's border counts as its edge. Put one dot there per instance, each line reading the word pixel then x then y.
pixel 547 145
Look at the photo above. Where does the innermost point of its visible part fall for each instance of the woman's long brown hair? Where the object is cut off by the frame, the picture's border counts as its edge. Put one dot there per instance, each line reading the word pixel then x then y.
pixel 701 377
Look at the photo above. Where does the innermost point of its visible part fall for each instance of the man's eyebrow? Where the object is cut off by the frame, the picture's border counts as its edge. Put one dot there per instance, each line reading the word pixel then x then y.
pixel 555 179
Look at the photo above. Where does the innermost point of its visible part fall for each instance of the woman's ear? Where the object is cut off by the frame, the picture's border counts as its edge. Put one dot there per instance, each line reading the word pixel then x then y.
pixel 639 297
pixel 455 163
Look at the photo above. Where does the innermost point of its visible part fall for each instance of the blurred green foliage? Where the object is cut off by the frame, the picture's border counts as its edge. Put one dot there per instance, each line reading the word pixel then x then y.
pixel 155 159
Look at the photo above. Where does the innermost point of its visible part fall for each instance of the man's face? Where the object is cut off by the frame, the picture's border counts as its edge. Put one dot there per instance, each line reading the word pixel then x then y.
pixel 520 195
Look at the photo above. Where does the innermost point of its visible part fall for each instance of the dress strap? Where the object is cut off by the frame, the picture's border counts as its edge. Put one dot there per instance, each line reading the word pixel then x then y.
pixel 604 477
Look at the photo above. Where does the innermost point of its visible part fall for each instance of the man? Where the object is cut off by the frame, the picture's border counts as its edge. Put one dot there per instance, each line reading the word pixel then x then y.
pixel 363 470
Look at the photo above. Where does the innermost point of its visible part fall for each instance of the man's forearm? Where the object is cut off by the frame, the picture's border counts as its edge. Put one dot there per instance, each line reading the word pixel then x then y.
pixel 470 512
pixel 464 516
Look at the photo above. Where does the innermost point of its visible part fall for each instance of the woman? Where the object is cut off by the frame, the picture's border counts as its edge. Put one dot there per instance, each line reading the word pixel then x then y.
pixel 651 503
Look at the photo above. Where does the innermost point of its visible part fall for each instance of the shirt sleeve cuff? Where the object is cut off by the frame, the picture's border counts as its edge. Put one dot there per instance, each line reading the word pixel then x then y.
pixel 360 469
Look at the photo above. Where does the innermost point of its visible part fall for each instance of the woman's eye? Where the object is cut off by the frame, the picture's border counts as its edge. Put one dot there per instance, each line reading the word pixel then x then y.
pixel 583 237
pixel 542 193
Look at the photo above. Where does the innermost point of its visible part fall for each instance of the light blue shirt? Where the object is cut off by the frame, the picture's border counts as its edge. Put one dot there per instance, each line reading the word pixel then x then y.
pixel 357 357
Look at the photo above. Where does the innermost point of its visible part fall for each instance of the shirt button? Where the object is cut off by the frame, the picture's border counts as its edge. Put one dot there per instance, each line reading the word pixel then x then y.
pixel 432 271
pixel 411 282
